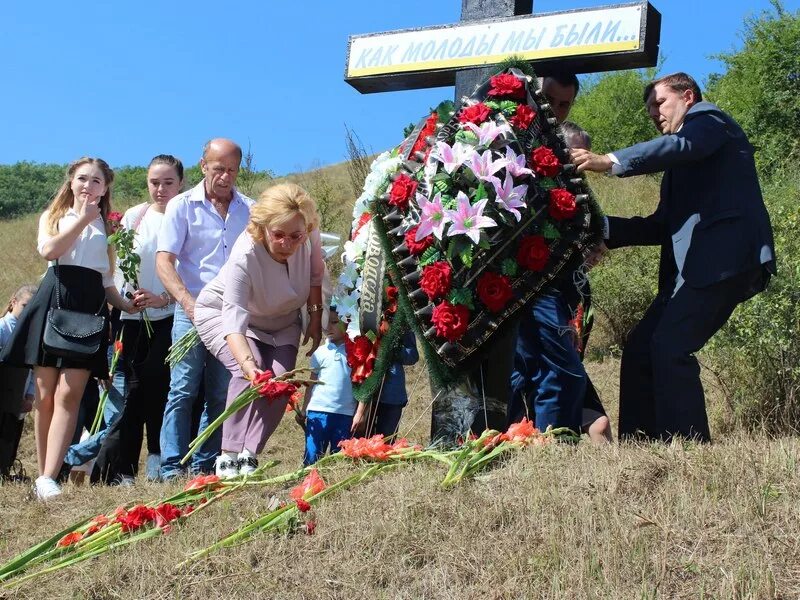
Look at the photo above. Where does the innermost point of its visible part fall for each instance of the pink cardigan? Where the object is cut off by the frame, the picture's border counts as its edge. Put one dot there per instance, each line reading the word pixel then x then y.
pixel 258 297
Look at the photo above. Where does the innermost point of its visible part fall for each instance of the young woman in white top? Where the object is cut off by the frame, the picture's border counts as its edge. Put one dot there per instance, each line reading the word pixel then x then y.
pixel 144 357
pixel 72 231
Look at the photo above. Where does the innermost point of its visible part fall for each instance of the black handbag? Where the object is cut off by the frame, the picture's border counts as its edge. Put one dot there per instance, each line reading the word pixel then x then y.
pixel 72 334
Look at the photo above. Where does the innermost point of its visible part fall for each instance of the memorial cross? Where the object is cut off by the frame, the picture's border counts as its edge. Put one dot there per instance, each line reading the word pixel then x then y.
pixel 622 36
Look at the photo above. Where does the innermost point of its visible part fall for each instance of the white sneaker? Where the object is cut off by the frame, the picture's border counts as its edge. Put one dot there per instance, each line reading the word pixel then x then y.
pixel 248 463
pixel 152 469
pixel 46 488
pixel 227 465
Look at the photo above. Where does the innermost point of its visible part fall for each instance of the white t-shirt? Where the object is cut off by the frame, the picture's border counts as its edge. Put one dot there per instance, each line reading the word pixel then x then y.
pixel 144 244
pixel 90 250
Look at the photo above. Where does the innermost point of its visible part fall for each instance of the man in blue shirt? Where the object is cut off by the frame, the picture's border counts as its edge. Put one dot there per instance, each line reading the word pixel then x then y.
pixel 196 237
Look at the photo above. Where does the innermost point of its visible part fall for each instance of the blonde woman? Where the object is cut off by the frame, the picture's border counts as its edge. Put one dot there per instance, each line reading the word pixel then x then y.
pixel 249 315
pixel 72 237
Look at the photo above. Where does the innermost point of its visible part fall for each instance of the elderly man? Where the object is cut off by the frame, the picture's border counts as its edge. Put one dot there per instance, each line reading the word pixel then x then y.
pixel 716 251
pixel 196 237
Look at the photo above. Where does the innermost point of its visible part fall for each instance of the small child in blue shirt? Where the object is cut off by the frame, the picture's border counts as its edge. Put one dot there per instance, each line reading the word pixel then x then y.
pixel 329 408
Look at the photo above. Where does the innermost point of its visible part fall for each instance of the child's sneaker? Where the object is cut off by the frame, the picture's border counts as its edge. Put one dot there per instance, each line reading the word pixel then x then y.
pixel 227 465
pixel 152 468
pixel 248 463
pixel 46 488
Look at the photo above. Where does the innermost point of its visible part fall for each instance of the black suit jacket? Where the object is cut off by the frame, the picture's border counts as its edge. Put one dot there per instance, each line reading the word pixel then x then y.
pixel 708 169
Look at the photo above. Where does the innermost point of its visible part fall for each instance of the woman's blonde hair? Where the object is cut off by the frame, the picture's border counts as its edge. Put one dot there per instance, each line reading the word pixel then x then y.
pixel 64 198
pixel 278 204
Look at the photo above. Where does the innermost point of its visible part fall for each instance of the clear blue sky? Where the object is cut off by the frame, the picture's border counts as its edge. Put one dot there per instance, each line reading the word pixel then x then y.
pixel 125 80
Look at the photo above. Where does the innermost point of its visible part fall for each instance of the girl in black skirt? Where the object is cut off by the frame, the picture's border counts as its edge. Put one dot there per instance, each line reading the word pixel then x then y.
pixel 72 237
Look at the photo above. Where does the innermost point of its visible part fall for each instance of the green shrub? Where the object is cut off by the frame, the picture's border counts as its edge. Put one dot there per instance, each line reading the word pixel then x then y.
pixel 756 355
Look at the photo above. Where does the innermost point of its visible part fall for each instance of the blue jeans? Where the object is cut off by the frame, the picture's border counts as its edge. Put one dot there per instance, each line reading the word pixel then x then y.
pixel 185 381
pixel 324 431
pixel 81 452
pixel 548 372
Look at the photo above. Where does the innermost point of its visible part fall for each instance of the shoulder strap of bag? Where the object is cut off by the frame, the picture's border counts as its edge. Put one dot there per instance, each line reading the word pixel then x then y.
pixel 58 291
pixel 140 217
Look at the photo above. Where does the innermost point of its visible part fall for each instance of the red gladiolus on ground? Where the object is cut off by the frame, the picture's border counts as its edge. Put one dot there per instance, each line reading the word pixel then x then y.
pixel 165 514
pixel 302 505
pixel 137 517
pixel 312 485
pixel 200 482
pixel 310 527
pixel 97 524
pixel 521 432
pixel 70 539
pixel 373 447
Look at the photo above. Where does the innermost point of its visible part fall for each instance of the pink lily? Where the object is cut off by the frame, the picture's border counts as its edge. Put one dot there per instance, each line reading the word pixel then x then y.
pixel 516 163
pixel 468 219
pixel 509 196
pixel 487 132
pixel 433 217
pixel 452 156
pixel 484 167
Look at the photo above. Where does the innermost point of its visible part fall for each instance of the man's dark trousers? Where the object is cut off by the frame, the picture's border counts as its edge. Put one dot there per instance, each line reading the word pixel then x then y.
pixel 660 390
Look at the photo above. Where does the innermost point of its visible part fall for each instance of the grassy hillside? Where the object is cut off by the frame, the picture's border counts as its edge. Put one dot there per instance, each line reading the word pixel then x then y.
pixel 720 521
pixel 651 521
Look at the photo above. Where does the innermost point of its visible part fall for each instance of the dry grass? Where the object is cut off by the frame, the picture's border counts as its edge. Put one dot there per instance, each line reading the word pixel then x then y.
pixel 721 521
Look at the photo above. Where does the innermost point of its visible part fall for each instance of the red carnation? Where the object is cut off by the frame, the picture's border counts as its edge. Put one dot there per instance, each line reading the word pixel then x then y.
pixel 114 217
pixel 417 247
pixel 427 130
pixel 523 117
pixel 533 253
pixel 436 279
pixel 402 190
pixel 545 162
pixel 494 290
pixel 507 85
pixel 562 204
pixel 450 320
pixel 477 113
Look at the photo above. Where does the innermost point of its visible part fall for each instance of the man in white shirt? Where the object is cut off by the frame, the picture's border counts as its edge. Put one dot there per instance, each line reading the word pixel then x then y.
pixel 716 251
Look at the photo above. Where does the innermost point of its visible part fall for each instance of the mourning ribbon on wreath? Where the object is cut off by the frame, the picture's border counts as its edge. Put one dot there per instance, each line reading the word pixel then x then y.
pixel 372 275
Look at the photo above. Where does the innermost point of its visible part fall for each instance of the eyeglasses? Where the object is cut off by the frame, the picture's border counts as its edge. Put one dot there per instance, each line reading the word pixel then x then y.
pixel 292 238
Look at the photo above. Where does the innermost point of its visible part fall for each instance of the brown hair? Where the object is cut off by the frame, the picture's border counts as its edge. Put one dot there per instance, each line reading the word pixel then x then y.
pixel 26 290
pixel 170 161
pixel 680 82
pixel 278 204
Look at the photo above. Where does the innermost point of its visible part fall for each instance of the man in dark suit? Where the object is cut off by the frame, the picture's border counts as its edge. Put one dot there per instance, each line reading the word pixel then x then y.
pixel 716 251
